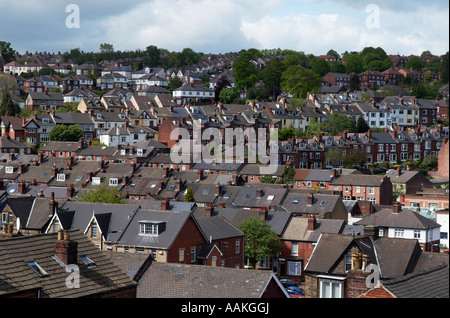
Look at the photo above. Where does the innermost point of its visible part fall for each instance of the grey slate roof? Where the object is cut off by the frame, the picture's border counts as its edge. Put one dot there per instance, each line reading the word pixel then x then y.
pixel 174 222
pixel 432 283
pixel 167 280
pixel 404 219
pixel 16 276
pixel 217 227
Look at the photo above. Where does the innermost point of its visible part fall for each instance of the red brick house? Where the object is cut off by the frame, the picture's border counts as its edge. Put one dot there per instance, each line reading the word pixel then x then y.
pixel 377 189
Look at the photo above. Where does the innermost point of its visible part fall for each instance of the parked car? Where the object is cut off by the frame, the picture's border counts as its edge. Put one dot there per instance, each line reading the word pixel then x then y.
pixel 293 290
pixel 288 282
pixel 446 251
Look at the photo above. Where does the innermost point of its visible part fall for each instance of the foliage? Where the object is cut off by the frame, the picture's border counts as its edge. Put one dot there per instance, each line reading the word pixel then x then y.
pixel 103 193
pixel 415 63
pixel 444 68
pixel 7 106
pixel 228 95
pixel 353 64
pixel 66 133
pixel 300 81
pixel 7 51
pixel 425 90
pixel 189 197
pixel 430 161
pixel 245 72
pixel 338 123
pixel 260 240
pixel 320 67
pixel 222 82
pixel 361 125
pixel 174 83
pixel 271 75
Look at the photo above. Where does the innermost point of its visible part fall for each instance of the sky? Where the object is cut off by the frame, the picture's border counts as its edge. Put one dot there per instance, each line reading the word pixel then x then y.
pixel 221 26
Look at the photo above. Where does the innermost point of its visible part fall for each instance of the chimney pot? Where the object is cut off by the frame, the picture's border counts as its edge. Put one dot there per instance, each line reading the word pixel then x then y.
pixel 65 249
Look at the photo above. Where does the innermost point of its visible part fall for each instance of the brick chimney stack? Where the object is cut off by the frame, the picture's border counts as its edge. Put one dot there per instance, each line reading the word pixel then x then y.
pixel 263 213
pixel 396 207
pixel 199 175
pixel 310 198
pixel 21 187
pixel 53 205
pixel 311 223
pixel 209 210
pixel 65 249
pixel 165 205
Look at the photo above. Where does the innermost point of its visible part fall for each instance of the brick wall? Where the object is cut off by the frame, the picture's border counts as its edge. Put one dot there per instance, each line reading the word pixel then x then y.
pixel 188 237
pixel 377 292
pixel 355 283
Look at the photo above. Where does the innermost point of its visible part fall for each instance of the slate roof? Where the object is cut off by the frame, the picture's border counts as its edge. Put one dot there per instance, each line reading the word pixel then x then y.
pixel 297 229
pixel 404 219
pixel 174 223
pixel 298 202
pixel 432 283
pixel 272 196
pixel 167 280
pixel 16 276
pixel 217 227
pixel 355 179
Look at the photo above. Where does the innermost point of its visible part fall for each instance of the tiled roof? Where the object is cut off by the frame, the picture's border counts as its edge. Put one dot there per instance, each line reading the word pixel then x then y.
pixel 17 276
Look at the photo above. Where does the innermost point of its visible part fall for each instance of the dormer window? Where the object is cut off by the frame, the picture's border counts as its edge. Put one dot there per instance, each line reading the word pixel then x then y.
pixel 151 227
pixel 9 169
pixel 60 177
pixel 113 181
pixel 302 145
pixel 96 180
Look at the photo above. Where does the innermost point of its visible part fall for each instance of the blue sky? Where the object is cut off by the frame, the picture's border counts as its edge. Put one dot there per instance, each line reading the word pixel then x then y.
pixel 213 26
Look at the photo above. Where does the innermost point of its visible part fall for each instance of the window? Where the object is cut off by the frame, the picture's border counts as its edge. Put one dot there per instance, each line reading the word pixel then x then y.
pixel 181 255
pixel 237 247
pixel 96 180
pixel 358 189
pixel 90 263
pixel 294 249
pixel 399 232
pixel 330 289
pixel 417 234
pixel 113 181
pixel 371 190
pixel 37 268
pixel 9 169
pixel 294 268
pixel 270 198
pixel 94 231
pixel 193 254
pixel 61 177
pixel 348 262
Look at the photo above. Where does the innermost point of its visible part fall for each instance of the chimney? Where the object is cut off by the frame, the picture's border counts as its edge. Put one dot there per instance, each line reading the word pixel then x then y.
pixel 52 204
pixel 310 198
pixel 54 171
pixel 70 191
pixel 70 163
pixel 311 223
pixel 396 207
pixel 199 174
pixel 21 187
pixel 65 249
pixel 263 213
pixel 217 189
pixel 399 172
pixel 11 156
pixel 40 157
pixel 209 210
pixel 80 143
pixel 372 231
pixel 2 184
pixel 165 205
pixel 369 133
pixel 259 193
pixel 21 166
pixel 133 167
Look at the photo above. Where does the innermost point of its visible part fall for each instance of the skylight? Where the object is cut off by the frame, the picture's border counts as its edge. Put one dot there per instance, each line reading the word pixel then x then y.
pixel 37 268
pixel 206 191
pixel 270 197
pixel 90 263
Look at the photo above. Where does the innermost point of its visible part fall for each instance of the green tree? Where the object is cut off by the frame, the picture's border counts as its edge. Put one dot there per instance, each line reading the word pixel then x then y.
pixel 174 83
pixel 333 52
pixel 7 51
pixel 338 123
pixel 189 197
pixel 415 63
pixel 271 75
pixel 354 83
pixel 444 68
pixel 320 67
pixel 66 133
pixel 245 72
pixel 361 125
pixel 153 55
pixel 106 48
pixel 355 157
pixel 8 107
pixel 353 64
pixel 314 128
pixel 260 240
pixel 103 193
pixel 300 81
pixel 334 157
pixel 228 95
